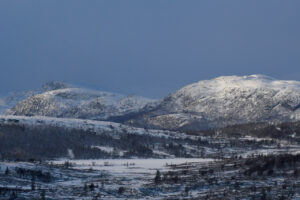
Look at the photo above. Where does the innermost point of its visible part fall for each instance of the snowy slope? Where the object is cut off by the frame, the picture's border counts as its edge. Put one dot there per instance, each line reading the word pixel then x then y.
pixel 10 100
pixel 225 101
pixel 78 103
pixel 105 127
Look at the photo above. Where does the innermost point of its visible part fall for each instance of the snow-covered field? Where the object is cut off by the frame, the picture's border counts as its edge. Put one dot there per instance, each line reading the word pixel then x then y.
pixel 133 173
pixel 108 175
pixel 180 178
pixel 123 166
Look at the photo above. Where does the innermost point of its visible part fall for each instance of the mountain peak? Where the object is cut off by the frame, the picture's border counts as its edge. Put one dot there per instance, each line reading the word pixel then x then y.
pixel 54 85
pixel 257 77
pixel 250 82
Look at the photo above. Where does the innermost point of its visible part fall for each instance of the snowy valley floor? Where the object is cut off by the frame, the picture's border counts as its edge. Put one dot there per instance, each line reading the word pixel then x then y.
pixel 259 177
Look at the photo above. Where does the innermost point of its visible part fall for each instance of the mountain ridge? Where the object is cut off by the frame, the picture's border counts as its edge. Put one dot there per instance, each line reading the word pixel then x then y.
pixel 206 104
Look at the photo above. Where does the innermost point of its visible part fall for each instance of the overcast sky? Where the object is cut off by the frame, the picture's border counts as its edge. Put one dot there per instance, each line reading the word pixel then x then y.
pixel 148 48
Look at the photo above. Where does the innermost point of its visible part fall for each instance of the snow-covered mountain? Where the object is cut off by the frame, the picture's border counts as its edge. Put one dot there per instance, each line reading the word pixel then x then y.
pixel 224 101
pixel 62 100
pixel 10 100
pixel 219 102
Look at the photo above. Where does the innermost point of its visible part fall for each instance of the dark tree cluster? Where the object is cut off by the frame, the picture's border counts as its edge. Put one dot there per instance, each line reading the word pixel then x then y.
pixel 269 164
pixel 34 174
